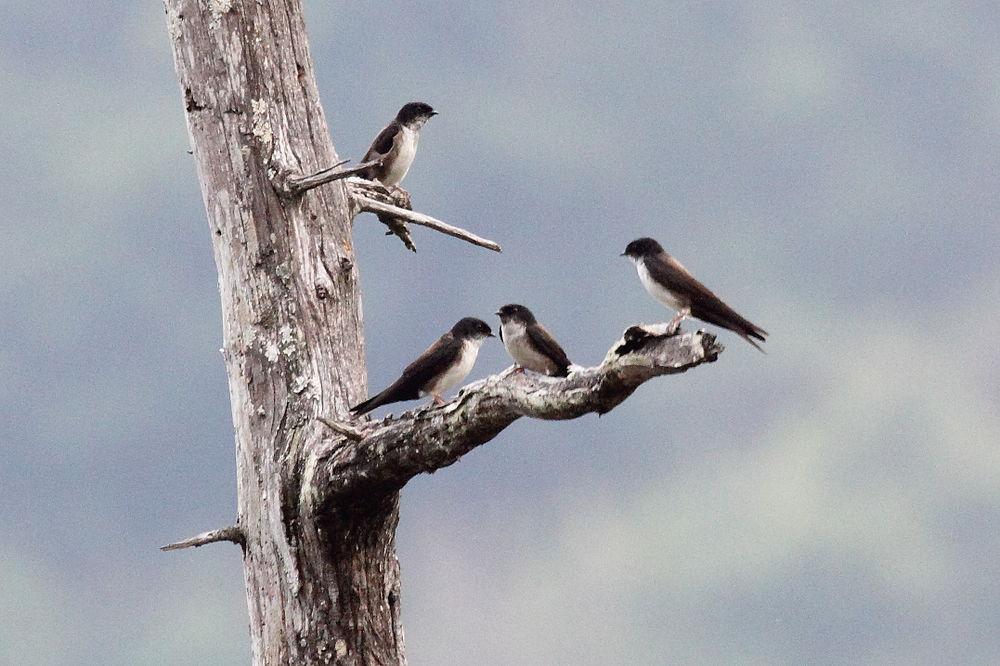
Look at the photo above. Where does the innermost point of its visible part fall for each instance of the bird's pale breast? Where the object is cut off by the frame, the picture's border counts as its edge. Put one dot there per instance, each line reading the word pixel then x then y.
pixel 520 348
pixel 405 150
pixel 457 373
pixel 655 289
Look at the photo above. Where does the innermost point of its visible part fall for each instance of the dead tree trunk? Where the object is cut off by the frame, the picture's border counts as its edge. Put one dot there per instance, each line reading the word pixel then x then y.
pixel 291 328
pixel 318 497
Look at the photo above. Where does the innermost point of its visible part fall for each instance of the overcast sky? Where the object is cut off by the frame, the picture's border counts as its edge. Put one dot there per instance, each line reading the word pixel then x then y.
pixel 830 173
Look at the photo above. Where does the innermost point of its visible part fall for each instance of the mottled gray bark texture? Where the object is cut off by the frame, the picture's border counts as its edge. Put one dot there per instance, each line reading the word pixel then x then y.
pixel 318 503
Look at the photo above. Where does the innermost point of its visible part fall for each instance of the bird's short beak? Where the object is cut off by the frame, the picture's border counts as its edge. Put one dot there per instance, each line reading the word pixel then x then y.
pixel 622 254
pixel 497 313
pixel 490 335
pixel 434 113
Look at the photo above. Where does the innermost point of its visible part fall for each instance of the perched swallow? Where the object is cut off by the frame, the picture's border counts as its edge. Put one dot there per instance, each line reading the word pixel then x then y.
pixel 396 145
pixel 671 284
pixel 445 364
pixel 529 344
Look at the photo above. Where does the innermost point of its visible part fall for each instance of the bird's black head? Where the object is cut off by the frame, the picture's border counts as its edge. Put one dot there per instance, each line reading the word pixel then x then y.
pixel 642 247
pixel 515 312
pixel 470 328
pixel 415 113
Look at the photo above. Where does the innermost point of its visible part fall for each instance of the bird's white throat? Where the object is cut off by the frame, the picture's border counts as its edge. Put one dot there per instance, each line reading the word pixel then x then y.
pixel 511 329
pixel 415 123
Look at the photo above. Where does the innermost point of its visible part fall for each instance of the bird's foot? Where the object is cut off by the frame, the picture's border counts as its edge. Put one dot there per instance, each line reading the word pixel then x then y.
pixel 438 400
pixel 674 327
pixel 401 197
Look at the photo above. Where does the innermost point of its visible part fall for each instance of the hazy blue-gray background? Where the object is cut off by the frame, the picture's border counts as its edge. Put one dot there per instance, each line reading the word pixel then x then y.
pixel 831 173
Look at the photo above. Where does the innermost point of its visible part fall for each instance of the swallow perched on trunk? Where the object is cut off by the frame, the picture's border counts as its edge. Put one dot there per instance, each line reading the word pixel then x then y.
pixel 396 145
pixel 444 365
pixel 671 284
pixel 529 344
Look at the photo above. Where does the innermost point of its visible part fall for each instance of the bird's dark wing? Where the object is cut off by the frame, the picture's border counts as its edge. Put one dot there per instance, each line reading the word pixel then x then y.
pixel 432 362
pixel 417 375
pixel 383 143
pixel 704 304
pixel 671 274
pixel 548 346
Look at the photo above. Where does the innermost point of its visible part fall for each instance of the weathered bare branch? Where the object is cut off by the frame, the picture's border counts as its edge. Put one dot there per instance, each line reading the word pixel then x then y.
pixel 370 197
pixel 232 533
pixel 372 189
pixel 424 440
pixel 292 185
pixel 373 206
pixel 397 196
